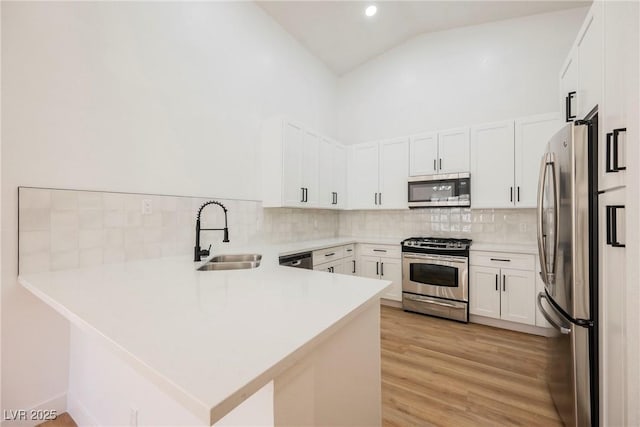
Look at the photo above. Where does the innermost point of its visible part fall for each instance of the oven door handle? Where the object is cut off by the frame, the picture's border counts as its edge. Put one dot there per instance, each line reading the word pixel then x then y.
pixel 430 301
pixel 435 258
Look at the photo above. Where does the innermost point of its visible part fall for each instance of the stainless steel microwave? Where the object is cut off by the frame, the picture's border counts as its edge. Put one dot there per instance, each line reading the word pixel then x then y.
pixel 450 190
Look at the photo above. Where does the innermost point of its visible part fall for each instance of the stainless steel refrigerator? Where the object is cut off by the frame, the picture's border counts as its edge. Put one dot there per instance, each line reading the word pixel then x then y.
pixel 567 244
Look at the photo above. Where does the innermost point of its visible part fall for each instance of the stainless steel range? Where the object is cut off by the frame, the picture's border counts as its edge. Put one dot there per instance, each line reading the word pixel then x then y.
pixel 435 277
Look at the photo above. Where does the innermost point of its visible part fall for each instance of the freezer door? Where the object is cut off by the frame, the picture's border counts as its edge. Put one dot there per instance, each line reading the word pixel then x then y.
pixel 568 373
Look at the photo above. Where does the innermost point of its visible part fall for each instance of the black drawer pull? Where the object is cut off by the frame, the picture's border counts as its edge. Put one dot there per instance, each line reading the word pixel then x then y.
pixel 354 266
pixel 612 226
pixel 382 268
pixel 568 116
pixel 612 152
pixel 496 282
pixel 500 259
pixel 377 271
pixel 504 283
pixel 379 250
pixel 331 254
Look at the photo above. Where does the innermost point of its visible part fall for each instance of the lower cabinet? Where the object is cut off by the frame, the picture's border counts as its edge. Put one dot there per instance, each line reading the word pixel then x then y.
pixel 502 292
pixel 338 259
pixel 384 268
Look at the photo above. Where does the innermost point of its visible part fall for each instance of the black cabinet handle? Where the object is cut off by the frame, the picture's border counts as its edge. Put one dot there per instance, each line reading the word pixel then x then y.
pixel 379 250
pixel 380 198
pixel 375 198
pixel 330 254
pixel 568 116
pixel 518 193
pixel 382 268
pixel 501 259
pixel 349 250
pixel 612 145
pixel 302 197
pixel 434 165
pixel 377 271
pixel 511 194
pixel 612 226
pixel 496 282
pixel 440 166
pixel 306 194
pixel 504 283
pixel 354 266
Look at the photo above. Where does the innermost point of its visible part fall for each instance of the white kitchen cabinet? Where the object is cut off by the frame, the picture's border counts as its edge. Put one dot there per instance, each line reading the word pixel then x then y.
pixel 498 290
pixel 612 288
pixel 335 259
pixel 378 175
pixel 332 158
pixel 620 70
pixel 348 266
pixel 423 157
pixel 492 151
pixel 382 262
pixel 453 150
pixel 484 291
pixel 589 48
pixel 569 87
pixel 299 166
pixel 310 168
pixel 531 136
pixel 440 152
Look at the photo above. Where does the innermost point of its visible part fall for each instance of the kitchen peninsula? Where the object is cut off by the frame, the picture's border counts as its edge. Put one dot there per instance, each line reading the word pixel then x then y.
pixel 158 342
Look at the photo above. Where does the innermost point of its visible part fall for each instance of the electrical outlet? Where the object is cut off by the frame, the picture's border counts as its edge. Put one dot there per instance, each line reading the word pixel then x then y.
pixel 133 417
pixel 146 207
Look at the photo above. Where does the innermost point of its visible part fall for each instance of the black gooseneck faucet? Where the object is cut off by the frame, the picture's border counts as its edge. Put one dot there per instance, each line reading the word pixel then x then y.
pixel 197 252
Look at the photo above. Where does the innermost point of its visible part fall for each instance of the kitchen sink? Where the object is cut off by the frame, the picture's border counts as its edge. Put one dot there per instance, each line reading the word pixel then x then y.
pixel 237 258
pixel 232 262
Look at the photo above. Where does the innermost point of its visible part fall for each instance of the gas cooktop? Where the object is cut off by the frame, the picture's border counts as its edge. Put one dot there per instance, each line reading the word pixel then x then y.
pixel 436 245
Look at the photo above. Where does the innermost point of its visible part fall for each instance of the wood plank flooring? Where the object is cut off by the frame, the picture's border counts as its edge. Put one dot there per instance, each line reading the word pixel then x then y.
pixel 441 373
pixel 437 372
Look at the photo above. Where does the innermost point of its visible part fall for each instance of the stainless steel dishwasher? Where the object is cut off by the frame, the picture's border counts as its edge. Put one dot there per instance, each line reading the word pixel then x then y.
pixel 300 260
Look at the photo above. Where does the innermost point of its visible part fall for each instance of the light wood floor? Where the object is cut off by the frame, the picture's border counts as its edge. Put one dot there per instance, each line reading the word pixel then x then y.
pixel 441 373
pixel 437 372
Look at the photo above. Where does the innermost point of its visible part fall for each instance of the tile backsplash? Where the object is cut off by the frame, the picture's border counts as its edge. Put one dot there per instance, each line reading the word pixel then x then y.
pixel 61 229
pixel 486 225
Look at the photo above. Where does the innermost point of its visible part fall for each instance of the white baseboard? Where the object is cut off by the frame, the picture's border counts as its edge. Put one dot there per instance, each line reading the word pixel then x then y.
pixel 57 403
pixel 390 303
pixel 79 412
pixel 518 327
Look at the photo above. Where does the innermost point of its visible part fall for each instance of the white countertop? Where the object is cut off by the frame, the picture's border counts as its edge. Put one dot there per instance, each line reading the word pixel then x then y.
pixel 505 247
pixel 312 245
pixel 209 339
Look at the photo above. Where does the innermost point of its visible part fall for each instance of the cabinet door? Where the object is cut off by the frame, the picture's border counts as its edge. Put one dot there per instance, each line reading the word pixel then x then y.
pixel 348 266
pixel 329 267
pixel 391 269
pixel 569 87
pixel 453 151
pixel 369 267
pixel 325 173
pixel 310 168
pixel 423 157
pixel 590 53
pixel 484 291
pixel 613 315
pixel 518 296
pixel 340 175
pixel 363 176
pixel 531 137
pixel 393 174
pixel 492 165
pixel 620 72
pixel 292 147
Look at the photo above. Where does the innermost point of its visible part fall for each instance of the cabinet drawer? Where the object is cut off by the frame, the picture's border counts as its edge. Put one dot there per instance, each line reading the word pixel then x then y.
pixel 389 251
pixel 503 260
pixel 328 254
pixel 349 250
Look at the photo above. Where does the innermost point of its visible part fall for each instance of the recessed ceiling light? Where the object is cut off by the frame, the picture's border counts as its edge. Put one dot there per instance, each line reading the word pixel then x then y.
pixel 371 10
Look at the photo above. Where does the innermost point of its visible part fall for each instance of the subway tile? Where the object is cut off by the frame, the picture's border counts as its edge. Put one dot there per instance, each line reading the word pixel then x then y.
pixel 89 200
pixel 65 260
pixel 113 201
pixel 34 198
pixel 65 219
pixel 90 219
pixel 64 240
pixel 113 218
pixel 64 200
pixel 32 242
pixel 91 257
pixel 36 262
pixel 34 219
pixel 113 255
pixel 90 239
pixel 113 238
pixel 152 220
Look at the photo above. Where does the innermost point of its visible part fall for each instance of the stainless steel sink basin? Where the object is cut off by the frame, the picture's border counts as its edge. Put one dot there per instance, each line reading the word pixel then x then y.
pixel 232 262
pixel 237 258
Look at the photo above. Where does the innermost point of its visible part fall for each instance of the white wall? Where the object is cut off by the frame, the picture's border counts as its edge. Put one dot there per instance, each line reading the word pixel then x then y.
pixel 458 77
pixel 138 97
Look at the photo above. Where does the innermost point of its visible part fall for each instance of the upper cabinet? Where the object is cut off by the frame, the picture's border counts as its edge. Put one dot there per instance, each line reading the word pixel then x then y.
pixel 301 168
pixel 439 152
pixel 505 160
pixel 492 148
pixel 569 87
pixel 589 51
pixel 378 173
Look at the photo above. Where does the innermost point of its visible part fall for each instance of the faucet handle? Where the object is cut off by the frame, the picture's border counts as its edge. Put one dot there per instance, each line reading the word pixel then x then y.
pixel 205 252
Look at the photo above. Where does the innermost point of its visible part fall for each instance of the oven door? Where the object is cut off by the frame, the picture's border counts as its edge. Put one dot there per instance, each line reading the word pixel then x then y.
pixel 435 275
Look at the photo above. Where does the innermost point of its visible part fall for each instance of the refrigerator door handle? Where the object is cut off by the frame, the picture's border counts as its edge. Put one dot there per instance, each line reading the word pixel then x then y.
pixel 548 275
pixel 550 319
